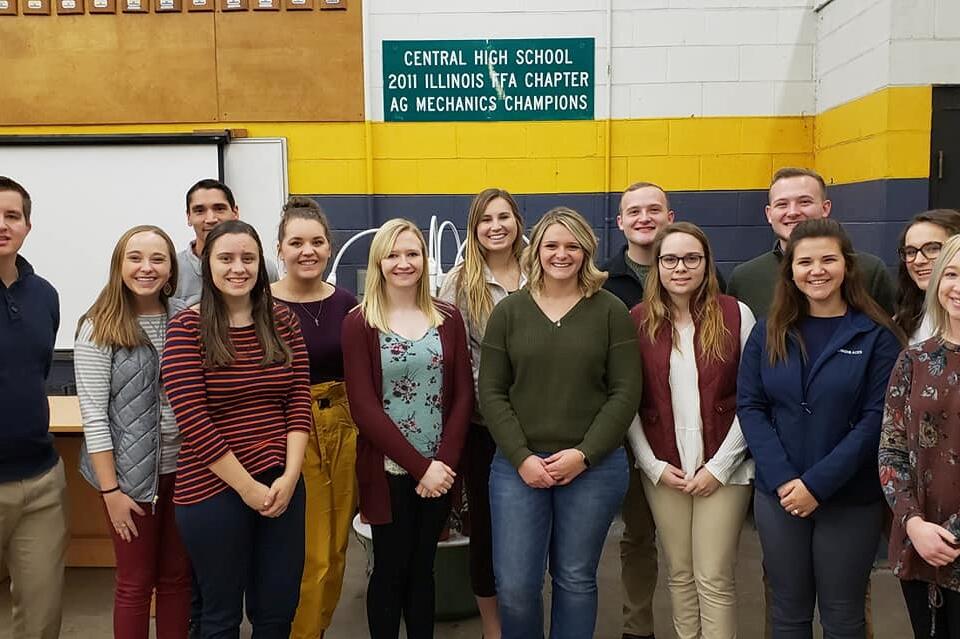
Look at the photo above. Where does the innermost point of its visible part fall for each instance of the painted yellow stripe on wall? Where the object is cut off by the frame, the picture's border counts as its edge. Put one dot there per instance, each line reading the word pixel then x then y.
pixel 525 157
pixel 883 135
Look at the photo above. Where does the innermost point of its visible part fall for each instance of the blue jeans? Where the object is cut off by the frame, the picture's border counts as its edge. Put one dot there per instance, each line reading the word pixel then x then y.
pixel 569 525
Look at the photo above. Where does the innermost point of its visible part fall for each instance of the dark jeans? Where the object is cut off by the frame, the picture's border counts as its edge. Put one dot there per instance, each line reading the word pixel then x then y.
pixel 946 623
pixel 824 560
pixel 478 453
pixel 403 554
pixel 236 551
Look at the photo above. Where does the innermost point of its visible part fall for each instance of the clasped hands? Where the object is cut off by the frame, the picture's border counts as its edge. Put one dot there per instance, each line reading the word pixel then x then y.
pixel 270 501
pixel 702 484
pixel 796 498
pixel 436 481
pixel 559 469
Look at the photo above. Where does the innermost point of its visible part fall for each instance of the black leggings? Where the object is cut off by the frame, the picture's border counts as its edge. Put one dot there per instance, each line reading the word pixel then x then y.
pixel 403 554
pixel 478 454
pixel 917 596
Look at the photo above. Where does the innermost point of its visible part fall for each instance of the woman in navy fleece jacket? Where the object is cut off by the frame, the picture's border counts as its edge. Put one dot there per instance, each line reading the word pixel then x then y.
pixel 810 399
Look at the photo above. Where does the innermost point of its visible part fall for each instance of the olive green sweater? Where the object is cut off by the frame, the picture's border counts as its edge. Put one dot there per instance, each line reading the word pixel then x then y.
pixel 546 386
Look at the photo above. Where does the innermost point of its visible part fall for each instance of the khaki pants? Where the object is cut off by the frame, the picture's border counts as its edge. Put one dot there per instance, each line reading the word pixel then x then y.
pixel 638 558
pixel 33 542
pixel 699 537
pixel 331 482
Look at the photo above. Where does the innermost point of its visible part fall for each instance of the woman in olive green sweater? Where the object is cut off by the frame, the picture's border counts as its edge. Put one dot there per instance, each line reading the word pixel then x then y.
pixel 559 385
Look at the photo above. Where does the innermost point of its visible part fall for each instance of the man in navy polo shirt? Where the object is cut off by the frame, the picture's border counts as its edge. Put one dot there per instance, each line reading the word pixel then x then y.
pixel 33 526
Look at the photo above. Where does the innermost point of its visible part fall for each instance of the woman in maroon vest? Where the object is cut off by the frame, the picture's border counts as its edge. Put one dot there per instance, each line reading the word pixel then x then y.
pixel 686 437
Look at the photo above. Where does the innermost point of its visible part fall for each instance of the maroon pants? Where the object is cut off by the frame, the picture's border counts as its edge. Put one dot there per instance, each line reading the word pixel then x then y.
pixel 156 560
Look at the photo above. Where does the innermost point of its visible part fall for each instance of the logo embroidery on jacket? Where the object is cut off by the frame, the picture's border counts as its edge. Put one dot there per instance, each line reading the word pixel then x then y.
pixel 847 351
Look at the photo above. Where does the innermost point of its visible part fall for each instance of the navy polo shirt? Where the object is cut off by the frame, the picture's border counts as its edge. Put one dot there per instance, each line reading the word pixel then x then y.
pixel 29 319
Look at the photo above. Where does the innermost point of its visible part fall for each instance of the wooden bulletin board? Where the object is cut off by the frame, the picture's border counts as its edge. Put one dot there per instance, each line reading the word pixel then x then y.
pixel 123 68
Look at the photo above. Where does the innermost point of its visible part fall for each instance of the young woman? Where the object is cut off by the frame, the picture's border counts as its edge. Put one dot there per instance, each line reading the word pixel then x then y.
pixel 489 272
pixel 918 247
pixel 237 374
pixel 559 384
pixel 687 438
pixel 329 466
pixel 408 379
pixel 130 434
pixel 918 468
pixel 809 399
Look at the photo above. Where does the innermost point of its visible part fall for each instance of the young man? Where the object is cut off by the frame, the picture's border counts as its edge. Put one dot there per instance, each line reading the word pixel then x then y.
pixel 644 210
pixel 796 195
pixel 33 525
pixel 209 202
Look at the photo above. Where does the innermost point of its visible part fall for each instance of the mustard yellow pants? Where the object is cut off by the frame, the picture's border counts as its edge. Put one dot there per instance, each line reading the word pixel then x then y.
pixel 329 474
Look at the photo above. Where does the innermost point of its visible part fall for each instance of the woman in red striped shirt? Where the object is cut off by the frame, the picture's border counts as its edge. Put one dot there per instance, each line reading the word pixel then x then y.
pixel 236 373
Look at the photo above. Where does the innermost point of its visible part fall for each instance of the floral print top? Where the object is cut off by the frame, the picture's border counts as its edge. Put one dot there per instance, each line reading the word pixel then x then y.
pixel 920 451
pixel 412 384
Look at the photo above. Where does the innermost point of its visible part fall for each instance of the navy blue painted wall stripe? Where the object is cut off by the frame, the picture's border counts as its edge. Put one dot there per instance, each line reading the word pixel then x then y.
pixel 873 213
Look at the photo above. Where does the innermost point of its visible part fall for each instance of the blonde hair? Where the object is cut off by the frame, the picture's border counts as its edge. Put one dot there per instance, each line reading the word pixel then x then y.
pixel 590 278
pixel 113 314
pixel 932 306
pixel 374 304
pixel 704 303
pixel 471 283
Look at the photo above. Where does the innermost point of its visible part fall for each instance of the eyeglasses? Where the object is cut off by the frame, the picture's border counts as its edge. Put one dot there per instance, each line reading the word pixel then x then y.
pixel 930 250
pixel 690 260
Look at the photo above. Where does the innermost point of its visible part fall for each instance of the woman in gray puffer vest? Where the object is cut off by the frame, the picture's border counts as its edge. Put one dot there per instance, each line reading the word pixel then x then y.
pixel 131 439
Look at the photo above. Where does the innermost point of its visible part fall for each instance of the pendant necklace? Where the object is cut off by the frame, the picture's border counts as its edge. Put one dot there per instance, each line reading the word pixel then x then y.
pixel 316 318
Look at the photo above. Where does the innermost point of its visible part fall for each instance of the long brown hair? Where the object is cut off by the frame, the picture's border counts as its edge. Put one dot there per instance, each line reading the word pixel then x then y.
pixel 471 284
pixel 704 303
pixel 214 318
pixel 909 308
pixel 113 314
pixel 790 305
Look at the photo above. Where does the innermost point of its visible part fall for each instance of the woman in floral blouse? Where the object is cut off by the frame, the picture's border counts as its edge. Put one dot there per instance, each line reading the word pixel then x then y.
pixel 410 386
pixel 919 451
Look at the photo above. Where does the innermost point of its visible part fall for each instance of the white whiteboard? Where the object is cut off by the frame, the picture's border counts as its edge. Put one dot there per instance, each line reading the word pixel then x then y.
pixel 85 197
pixel 255 169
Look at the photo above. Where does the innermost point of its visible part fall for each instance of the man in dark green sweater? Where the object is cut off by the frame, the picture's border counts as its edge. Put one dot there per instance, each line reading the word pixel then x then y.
pixel 797 195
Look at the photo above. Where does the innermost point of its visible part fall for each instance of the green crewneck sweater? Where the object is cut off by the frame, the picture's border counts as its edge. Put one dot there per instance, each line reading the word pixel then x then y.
pixel 546 386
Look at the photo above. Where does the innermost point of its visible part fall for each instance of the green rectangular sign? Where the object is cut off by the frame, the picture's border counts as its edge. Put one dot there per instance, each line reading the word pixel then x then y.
pixel 469 80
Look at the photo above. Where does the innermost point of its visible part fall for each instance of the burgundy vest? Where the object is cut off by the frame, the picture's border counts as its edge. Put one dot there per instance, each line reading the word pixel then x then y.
pixel 717 382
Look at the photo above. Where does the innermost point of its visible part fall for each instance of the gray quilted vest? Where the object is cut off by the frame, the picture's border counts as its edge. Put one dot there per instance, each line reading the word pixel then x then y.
pixel 134 416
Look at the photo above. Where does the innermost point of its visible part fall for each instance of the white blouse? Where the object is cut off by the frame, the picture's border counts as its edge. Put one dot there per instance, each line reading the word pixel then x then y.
pixel 922 332
pixel 729 465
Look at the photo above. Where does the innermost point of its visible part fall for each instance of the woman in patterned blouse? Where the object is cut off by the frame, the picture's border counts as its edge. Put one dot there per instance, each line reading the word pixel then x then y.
pixel 918 459
pixel 410 386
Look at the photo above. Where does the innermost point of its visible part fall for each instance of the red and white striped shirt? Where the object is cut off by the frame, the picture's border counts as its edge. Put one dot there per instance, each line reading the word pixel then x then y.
pixel 245 408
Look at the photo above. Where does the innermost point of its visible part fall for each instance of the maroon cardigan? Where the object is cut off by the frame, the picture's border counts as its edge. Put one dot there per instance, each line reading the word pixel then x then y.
pixel 716 381
pixel 379 436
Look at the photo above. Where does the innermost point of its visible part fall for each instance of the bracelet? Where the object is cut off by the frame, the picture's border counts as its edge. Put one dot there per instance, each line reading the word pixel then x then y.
pixel 112 490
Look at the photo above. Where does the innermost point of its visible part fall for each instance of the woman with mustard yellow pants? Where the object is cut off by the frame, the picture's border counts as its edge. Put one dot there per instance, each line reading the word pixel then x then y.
pixel 331 453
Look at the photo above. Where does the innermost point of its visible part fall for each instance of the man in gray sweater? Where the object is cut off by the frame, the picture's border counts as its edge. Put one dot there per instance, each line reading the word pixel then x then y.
pixel 797 195
pixel 209 202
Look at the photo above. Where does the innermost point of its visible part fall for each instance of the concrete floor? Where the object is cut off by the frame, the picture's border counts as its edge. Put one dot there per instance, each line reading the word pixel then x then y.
pixel 88 600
